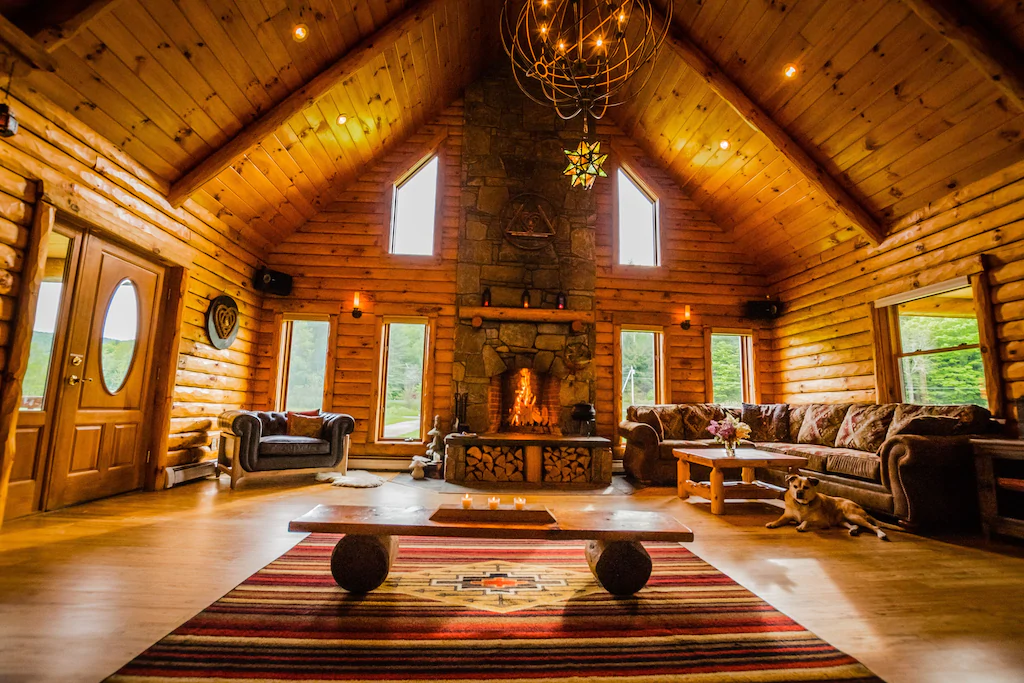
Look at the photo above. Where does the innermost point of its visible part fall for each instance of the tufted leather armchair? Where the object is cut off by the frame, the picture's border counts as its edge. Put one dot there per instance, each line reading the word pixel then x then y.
pixel 258 441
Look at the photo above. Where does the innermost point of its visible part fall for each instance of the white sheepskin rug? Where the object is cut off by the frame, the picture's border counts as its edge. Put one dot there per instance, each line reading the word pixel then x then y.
pixel 355 479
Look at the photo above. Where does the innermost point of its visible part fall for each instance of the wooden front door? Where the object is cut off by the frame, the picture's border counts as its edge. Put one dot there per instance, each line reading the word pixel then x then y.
pixel 100 429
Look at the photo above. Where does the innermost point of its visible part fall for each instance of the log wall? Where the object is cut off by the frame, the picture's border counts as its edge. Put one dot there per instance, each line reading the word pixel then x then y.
pixel 344 249
pixel 700 267
pixel 822 347
pixel 95 179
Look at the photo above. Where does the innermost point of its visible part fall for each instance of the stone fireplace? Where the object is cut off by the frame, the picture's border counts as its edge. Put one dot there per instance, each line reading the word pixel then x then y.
pixel 526 237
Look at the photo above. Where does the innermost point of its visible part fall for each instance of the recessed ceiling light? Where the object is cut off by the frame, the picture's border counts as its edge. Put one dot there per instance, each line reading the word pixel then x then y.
pixel 342 119
pixel 724 144
pixel 790 71
pixel 300 32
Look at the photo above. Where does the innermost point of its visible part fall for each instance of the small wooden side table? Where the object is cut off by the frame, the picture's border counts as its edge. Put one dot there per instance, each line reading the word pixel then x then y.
pixel 745 458
pixel 999 464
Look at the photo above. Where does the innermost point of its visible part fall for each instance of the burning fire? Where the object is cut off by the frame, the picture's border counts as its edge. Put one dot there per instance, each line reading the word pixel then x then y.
pixel 524 412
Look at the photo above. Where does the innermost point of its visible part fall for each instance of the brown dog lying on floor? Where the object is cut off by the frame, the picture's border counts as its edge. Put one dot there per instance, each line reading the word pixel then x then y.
pixel 807 508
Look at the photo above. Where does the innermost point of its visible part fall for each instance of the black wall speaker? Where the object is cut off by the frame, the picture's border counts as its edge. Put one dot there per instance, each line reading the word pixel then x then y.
pixel 272 282
pixel 763 309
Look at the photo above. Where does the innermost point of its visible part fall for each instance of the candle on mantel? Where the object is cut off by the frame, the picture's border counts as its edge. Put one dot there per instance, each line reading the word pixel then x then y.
pixel 467 502
pixel 519 503
pixel 493 502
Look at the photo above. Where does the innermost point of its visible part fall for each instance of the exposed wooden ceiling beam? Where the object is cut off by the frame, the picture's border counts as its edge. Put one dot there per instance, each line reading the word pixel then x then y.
pixel 980 45
pixel 25 48
pixel 354 60
pixel 760 121
pixel 52 37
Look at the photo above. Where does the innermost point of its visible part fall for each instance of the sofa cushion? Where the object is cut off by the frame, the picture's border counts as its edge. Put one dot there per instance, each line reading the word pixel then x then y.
pixel 854 463
pixel 694 419
pixel 647 415
pixel 796 419
pixel 816 455
pixel 865 426
pixel 665 447
pixel 822 422
pixel 974 419
pixel 281 444
pixel 305 425
pixel 767 422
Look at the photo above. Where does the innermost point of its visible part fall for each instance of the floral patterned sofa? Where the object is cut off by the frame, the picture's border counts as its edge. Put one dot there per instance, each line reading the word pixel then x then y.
pixel 907 462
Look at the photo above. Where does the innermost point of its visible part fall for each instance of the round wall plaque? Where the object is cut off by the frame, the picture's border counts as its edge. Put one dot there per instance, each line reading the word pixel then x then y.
pixel 528 221
pixel 222 322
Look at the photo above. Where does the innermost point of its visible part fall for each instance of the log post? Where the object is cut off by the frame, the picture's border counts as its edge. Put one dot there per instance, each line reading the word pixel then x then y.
pixel 361 563
pixel 621 567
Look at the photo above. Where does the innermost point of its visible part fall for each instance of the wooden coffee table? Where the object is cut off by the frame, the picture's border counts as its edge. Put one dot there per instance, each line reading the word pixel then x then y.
pixel 362 558
pixel 745 458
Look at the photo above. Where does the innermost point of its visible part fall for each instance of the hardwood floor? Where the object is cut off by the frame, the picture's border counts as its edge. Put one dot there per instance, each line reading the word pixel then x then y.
pixel 85 589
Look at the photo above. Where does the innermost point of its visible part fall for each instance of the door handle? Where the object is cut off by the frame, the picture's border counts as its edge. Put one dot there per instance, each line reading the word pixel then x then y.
pixel 75 379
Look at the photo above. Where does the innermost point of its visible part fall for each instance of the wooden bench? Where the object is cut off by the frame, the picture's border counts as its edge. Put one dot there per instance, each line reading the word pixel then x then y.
pixel 362 558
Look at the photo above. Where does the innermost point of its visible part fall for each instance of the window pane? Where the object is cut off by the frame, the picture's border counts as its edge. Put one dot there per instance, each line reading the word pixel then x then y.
pixel 938 322
pixel 403 391
pixel 950 377
pixel 307 364
pixel 638 238
pixel 120 331
pixel 412 230
pixel 639 369
pixel 40 354
pixel 727 369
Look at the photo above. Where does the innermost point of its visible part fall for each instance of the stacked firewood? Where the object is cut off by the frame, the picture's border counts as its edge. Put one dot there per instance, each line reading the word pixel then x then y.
pixel 494 463
pixel 570 465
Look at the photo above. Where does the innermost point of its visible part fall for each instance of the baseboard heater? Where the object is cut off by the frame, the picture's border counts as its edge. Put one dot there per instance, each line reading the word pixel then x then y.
pixel 179 474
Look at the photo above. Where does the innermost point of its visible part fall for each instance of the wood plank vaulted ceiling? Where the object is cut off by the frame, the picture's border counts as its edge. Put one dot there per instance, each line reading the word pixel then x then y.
pixel 882 103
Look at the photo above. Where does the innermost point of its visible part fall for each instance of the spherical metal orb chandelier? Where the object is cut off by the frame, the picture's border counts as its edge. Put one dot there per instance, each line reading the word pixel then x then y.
pixel 579 55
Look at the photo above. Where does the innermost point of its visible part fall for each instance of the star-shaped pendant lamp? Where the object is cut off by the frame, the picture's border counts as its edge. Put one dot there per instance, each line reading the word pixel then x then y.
pixel 585 164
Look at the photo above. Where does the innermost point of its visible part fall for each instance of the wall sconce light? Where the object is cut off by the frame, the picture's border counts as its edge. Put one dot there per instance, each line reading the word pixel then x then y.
pixel 560 300
pixel 525 298
pixel 686 318
pixel 485 298
pixel 356 312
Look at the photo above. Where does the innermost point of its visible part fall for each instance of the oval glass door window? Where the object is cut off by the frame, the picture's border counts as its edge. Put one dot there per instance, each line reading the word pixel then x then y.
pixel 120 332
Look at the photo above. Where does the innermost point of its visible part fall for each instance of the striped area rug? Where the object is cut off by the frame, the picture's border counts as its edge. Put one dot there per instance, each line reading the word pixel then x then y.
pixel 470 610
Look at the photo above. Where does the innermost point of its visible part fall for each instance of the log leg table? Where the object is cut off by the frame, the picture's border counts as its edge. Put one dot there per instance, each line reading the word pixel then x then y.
pixel 362 558
pixel 745 459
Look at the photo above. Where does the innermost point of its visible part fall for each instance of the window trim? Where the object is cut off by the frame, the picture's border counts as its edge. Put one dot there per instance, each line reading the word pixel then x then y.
pixel 427 382
pixel 649 190
pixel 661 386
pixel 887 344
pixel 749 361
pixel 410 166
pixel 282 343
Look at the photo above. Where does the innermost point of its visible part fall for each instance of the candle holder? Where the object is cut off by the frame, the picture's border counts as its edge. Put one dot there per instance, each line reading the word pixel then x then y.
pixel 519 503
pixel 493 503
pixel 467 502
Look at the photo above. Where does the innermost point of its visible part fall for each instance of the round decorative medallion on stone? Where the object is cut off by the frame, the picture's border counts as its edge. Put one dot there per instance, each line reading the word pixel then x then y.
pixel 528 221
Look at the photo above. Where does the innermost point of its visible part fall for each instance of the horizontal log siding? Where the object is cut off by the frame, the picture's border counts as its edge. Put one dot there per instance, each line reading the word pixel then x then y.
pixel 98 177
pixel 822 345
pixel 700 267
pixel 343 250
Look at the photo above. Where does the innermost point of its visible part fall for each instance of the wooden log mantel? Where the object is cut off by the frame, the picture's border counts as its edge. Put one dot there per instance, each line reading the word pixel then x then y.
pixel 478 314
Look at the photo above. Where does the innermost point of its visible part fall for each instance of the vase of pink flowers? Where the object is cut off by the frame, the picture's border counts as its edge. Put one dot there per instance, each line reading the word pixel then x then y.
pixel 729 432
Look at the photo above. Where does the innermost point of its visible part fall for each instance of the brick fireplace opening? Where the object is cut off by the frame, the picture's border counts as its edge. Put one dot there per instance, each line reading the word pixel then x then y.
pixel 522 400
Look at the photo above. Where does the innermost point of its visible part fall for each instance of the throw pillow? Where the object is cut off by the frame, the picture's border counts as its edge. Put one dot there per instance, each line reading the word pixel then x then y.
pixel 932 425
pixel 649 416
pixel 305 425
pixel 865 426
pixel 796 420
pixel 974 419
pixel 768 423
pixel 822 422
pixel 696 418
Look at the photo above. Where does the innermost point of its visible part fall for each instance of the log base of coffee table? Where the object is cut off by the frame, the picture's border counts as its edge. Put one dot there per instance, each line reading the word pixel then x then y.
pixel 621 567
pixel 361 563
